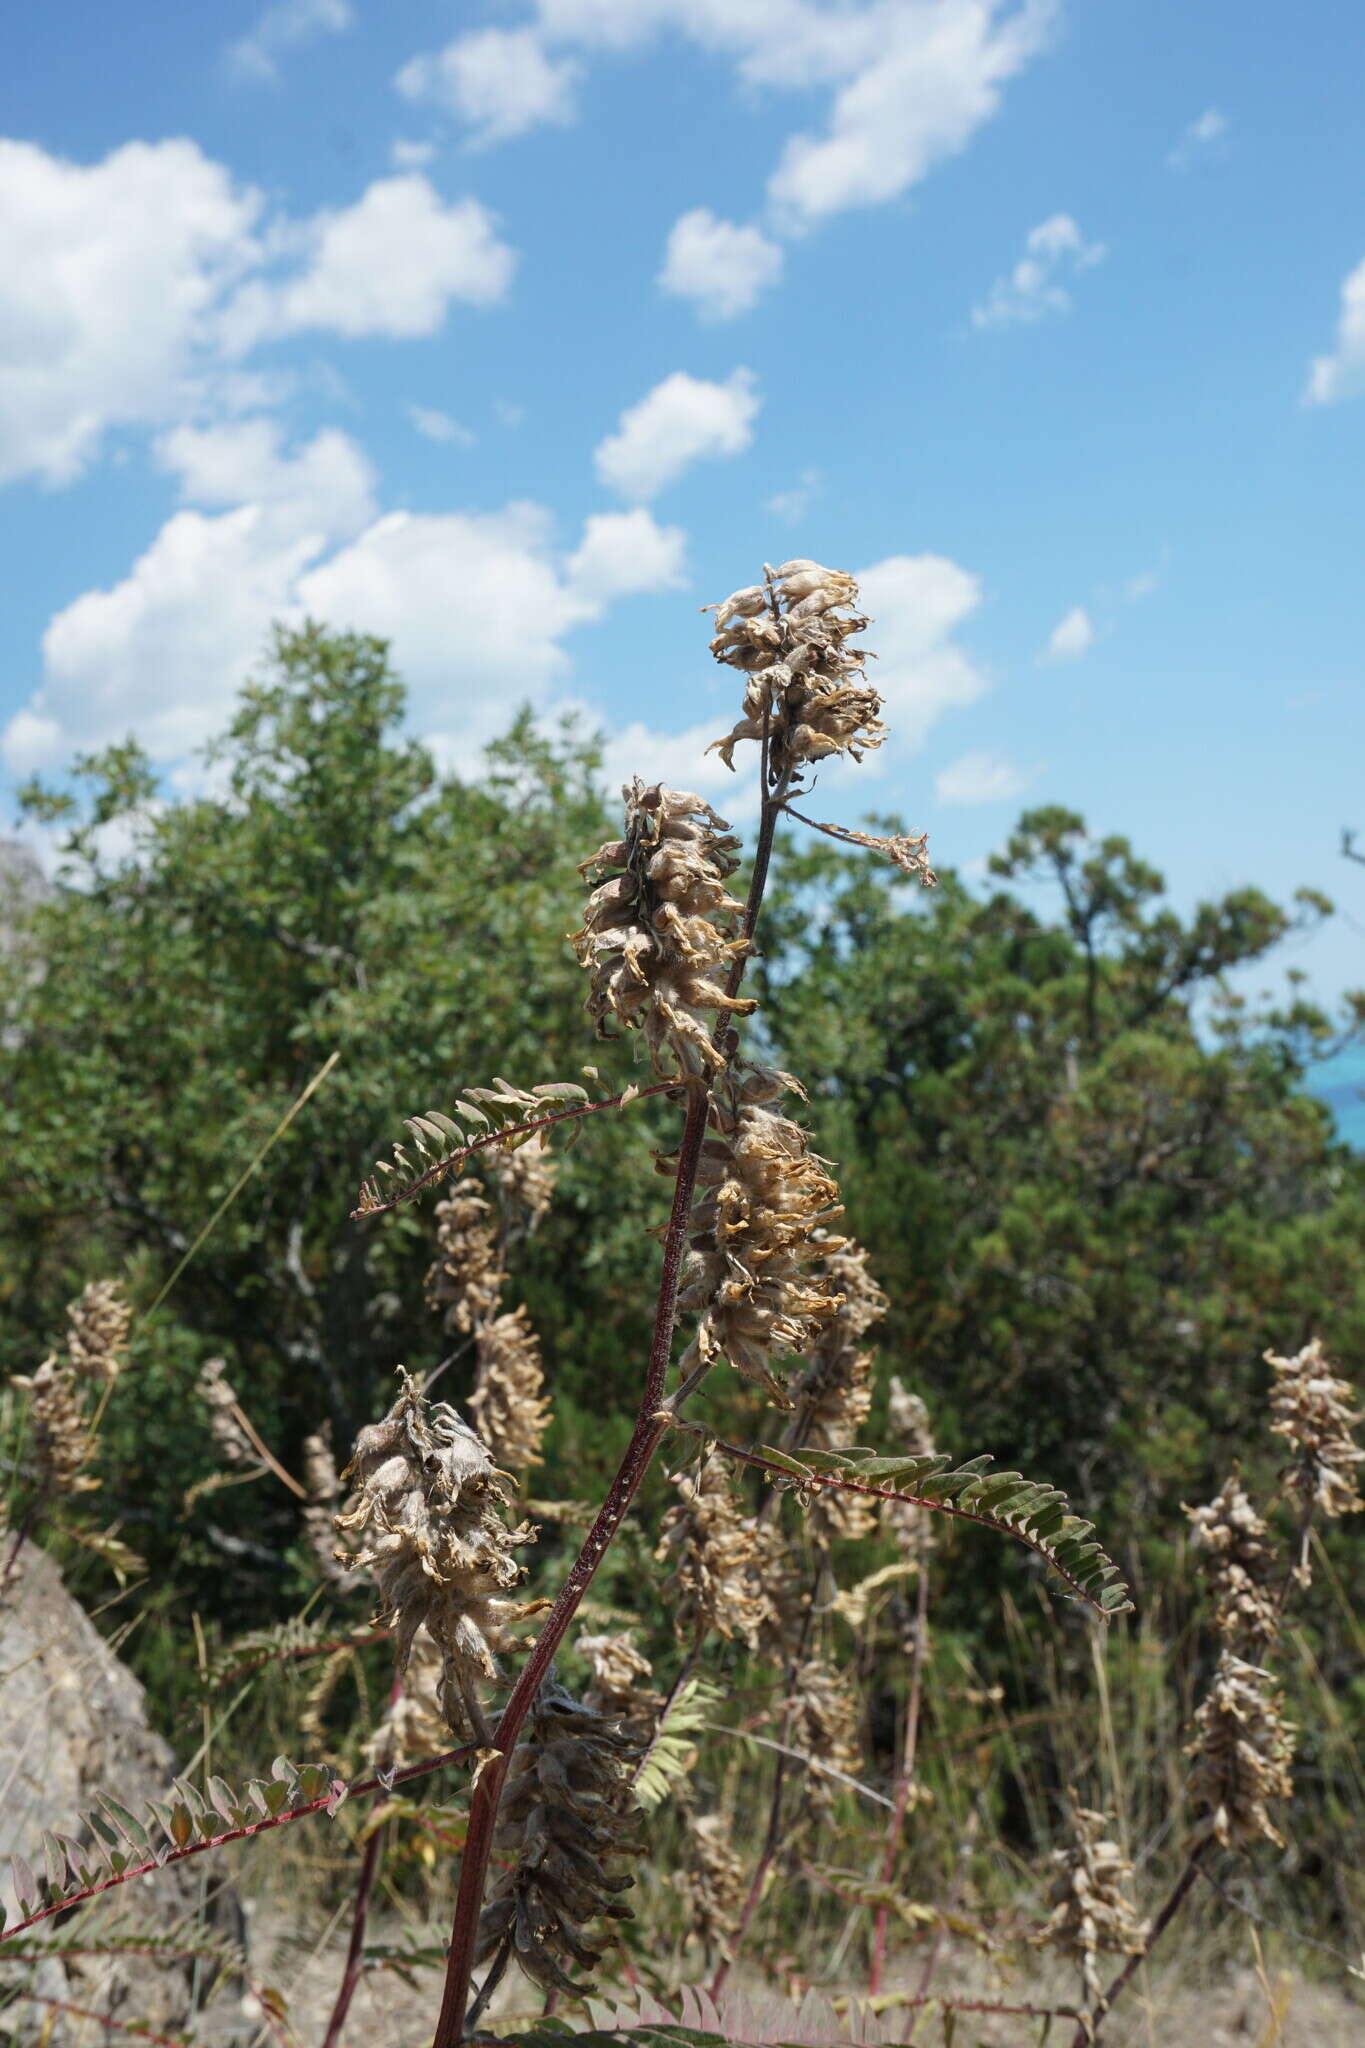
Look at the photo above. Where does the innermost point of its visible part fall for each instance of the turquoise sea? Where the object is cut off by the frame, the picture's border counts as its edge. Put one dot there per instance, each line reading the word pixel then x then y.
pixel 1340 1083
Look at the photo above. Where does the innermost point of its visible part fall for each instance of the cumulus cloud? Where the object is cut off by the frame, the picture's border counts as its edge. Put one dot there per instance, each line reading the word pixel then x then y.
pixel 283 27
pixel 1070 637
pixel 979 778
pixel 622 553
pixel 723 269
pixel 434 425
pixel 131 289
pixel 793 504
pixel 1199 140
pixel 1342 373
pixel 499 82
pixel 327 486
pixel 916 603
pixel 1032 291
pixel 681 421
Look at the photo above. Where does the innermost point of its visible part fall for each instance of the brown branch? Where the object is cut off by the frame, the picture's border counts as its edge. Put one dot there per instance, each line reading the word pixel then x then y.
pixel 103 2019
pixel 355 1948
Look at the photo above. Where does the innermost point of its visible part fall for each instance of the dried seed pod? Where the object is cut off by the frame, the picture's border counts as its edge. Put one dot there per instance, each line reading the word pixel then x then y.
pixel 319 1514
pixel 61 1438
pixel 465 1280
pixel 823 1719
pixel 727 1567
pixel 1311 1406
pixel 525 1179
pixel 428 1516
pixel 760 1221
pixel 619 1689
pixel 565 1829
pixel 509 1411
pixel 661 929
pixel 1239 1565
pixel 806 691
pixel 910 1424
pixel 712 1882
pixel 1243 1751
pixel 98 1322
pixel 1092 1913
pixel 413 1726
pixel 834 1394
pixel 219 1396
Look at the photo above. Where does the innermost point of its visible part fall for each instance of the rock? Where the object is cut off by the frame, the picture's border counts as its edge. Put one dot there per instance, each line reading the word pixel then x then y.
pixel 73 1723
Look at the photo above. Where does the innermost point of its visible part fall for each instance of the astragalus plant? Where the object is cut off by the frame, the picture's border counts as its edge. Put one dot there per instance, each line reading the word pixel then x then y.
pixel 754 1260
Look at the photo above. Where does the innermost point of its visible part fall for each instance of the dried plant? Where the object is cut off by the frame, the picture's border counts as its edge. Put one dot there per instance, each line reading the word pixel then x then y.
pixel 1312 1408
pixel 323 1486
pixel 910 1425
pixel 230 1439
pixel 62 1444
pixel 465 1280
pixel 1243 1751
pixel 97 1336
pixel 508 1407
pixel 1240 1565
pixel 724 1562
pixel 1092 1913
pixel 833 1397
pixel 618 1689
pixel 525 1177
pixel 711 1882
pixel 414 1725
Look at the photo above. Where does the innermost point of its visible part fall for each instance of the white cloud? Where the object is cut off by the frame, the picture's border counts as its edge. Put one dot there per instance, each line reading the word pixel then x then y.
pixel 722 268
pixel 792 505
pixel 438 426
pixel 936 77
pixel 1198 139
pixel 282 27
pixel 1031 290
pixel 327 486
pixel 1070 637
pixel 391 264
pixel 679 758
pixel 916 602
pixel 406 155
pixel 680 421
pixel 31 741
pixel 1342 374
pixel 977 779
pixel 499 82
pixel 111 276
pixel 625 552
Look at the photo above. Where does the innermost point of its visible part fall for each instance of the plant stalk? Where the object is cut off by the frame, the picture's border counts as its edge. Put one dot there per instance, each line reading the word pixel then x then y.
pixel 905 1777
pixel 355 1948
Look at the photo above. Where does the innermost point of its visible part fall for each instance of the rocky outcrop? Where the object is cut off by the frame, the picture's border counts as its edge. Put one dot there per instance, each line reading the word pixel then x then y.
pixel 73 1723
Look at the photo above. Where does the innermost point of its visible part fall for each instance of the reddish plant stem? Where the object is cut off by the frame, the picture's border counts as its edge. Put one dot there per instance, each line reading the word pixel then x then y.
pixel 105 2019
pixel 1089 2029
pixel 905 1777
pixel 355 1948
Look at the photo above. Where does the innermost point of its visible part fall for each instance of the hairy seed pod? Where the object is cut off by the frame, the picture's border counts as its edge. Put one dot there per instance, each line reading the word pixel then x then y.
pixel 98 1322
pixel 1243 1750
pixel 1311 1406
pixel 726 1565
pixel 1092 1913
pixel 1239 1565
pixel 61 1437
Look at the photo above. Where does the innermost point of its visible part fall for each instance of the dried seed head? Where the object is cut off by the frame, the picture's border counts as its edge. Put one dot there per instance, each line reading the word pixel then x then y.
pixel 525 1179
pixel 823 1710
pixel 61 1439
pixel 712 1882
pixel 216 1391
pixel 464 1282
pixel 509 1411
pixel 1092 1913
pixel 319 1514
pixel 834 1394
pixel 910 1424
pixel 1312 1408
pixel 564 1832
pixel 98 1323
pixel 619 1687
pixel 661 929
pixel 1239 1565
pixel 760 1221
pixel 806 684
pixel 725 1565
pixel 1243 1750
pixel 413 1726
pixel 428 1517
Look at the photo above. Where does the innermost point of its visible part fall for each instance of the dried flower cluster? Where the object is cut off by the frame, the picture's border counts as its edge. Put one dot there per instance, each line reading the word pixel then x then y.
pixel 822 1722
pixel 1243 1750
pixel 98 1320
pixel 465 1280
pixel 509 1409
pixel 760 1223
pixel 1092 1913
pixel 712 1881
pixel 619 1689
pixel 428 1516
pixel 1240 1567
pixel 661 929
pixel 319 1514
pixel 807 692
pixel 910 1425
pixel 525 1177
pixel 413 1725
pixel 61 1435
pixel 834 1395
pixel 464 1285
pixel 725 1564
pixel 1312 1407
pixel 219 1396
pixel 564 1833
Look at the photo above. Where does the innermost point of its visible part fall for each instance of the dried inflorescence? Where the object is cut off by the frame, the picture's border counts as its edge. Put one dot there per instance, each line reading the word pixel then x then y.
pixel 760 1223
pixel 822 1722
pixel 619 1688
pixel 413 1726
pixel 1243 1751
pixel 319 1514
pixel 508 1407
pixel 219 1396
pixel 525 1177
pixel 1240 1566
pixel 465 1280
pixel 1312 1407
pixel 429 1520
pixel 98 1322
pixel 1092 1913
pixel 726 1565
pixel 61 1433
pixel 834 1395
pixel 564 1833
pixel 661 929
pixel 712 1881
pixel 807 692
pixel 910 1425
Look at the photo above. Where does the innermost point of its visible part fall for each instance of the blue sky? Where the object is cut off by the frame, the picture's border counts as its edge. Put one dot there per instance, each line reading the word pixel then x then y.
pixel 519 331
